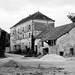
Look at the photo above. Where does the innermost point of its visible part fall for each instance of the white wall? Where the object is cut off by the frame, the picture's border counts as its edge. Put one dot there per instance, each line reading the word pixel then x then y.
pixel 25 33
pixel 39 46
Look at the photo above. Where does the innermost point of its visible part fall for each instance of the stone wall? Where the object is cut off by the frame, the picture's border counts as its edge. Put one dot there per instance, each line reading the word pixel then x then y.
pixel 66 42
pixel 53 50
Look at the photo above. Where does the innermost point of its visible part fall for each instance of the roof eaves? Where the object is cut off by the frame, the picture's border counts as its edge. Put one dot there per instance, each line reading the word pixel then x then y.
pixel 56 36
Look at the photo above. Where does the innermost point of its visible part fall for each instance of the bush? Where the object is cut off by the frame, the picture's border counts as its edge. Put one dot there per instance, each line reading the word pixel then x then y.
pixel 2 44
pixel 10 52
pixel 18 51
pixel 29 52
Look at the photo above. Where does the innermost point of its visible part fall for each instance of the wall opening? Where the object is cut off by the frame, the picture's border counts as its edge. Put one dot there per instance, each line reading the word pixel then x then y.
pixel 61 53
pixel 45 51
pixel 52 42
pixel 72 51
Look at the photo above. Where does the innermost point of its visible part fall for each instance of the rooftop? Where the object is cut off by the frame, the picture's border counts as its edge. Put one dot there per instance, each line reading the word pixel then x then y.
pixel 36 15
pixel 56 32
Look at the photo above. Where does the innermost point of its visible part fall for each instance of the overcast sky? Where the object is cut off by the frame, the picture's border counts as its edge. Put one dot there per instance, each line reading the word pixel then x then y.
pixel 11 11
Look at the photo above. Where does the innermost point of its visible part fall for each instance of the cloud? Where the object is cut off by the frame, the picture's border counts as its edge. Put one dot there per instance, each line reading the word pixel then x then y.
pixel 7 20
pixel 17 5
pixel 13 5
pixel 11 11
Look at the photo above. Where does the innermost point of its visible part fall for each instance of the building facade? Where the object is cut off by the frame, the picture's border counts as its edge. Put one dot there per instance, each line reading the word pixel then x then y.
pixel 22 32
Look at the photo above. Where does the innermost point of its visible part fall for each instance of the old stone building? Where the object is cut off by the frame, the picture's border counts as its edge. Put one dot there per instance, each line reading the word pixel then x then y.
pixel 22 33
pixel 59 40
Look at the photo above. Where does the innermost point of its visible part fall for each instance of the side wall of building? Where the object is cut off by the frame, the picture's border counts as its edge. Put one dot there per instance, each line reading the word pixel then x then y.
pixel 66 42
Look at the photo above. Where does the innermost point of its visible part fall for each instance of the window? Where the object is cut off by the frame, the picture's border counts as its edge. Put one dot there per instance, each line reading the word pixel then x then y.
pixel 29 35
pixel 29 27
pixel 18 37
pixel 29 44
pixel 13 33
pixel 52 42
pixel 18 30
pixel 23 29
pixel 23 36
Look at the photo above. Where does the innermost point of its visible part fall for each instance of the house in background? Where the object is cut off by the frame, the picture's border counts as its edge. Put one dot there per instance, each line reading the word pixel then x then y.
pixel 22 34
pixel 59 40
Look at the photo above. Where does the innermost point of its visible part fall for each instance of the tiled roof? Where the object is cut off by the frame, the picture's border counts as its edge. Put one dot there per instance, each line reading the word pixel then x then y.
pixel 42 34
pixel 36 15
pixel 56 32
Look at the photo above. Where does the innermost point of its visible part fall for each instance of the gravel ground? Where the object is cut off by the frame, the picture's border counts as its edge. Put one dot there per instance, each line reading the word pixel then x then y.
pixel 33 66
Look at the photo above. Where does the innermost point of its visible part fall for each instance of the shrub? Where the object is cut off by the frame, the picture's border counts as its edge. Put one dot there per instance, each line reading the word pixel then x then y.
pixel 2 43
pixel 18 51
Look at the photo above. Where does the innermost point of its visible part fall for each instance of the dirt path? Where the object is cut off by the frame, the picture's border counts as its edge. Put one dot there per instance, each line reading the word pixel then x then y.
pixel 68 65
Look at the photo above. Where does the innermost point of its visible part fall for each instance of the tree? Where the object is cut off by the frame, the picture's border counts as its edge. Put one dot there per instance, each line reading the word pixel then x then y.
pixel 2 43
pixel 7 41
pixel 71 16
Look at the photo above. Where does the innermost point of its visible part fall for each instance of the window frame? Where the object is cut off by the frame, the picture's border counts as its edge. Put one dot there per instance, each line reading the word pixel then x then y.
pixel 29 27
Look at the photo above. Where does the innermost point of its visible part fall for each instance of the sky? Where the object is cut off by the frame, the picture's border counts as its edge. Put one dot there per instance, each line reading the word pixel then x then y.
pixel 12 11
